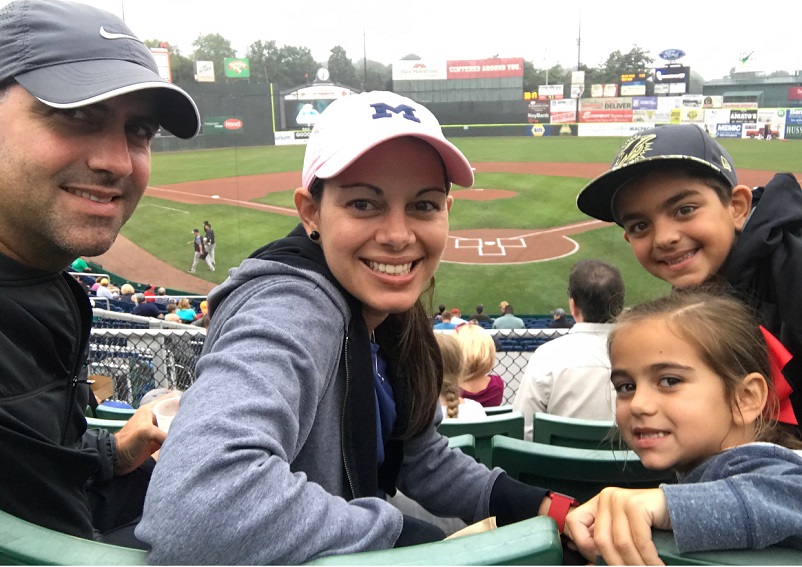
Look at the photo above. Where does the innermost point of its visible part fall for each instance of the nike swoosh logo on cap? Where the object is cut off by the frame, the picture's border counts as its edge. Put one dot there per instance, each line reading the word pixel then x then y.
pixel 111 35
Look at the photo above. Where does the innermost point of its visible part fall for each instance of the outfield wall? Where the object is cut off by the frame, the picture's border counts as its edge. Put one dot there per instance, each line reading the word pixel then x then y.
pixel 242 115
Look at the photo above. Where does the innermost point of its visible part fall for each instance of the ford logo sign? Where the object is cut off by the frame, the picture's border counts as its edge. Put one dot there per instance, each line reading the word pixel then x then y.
pixel 671 54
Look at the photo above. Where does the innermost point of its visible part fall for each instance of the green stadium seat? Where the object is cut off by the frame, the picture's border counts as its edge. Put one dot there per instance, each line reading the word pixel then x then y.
pixel 773 555
pixel 23 543
pixel 510 424
pixel 108 412
pixel 572 432
pixel 582 473
pixel 110 425
pixel 530 542
pixel 495 410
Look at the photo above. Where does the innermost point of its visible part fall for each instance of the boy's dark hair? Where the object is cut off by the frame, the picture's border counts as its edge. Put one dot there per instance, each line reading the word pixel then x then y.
pixel 597 289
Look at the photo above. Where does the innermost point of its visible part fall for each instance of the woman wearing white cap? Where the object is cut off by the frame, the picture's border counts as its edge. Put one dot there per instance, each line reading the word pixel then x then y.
pixel 317 390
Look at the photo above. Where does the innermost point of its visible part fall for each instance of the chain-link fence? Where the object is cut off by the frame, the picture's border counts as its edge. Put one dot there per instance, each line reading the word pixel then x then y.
pixel 143 353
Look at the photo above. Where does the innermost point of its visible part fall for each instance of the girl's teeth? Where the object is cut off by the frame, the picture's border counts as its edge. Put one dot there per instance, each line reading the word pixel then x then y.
pixel 651 435
pixel 393 270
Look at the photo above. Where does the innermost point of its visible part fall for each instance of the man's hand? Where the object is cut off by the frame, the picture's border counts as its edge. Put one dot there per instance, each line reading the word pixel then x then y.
pixel 617 524
pixel 139 438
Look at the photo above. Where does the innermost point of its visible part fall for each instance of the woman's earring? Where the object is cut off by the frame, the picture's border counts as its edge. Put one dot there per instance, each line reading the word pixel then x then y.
pixel 314 236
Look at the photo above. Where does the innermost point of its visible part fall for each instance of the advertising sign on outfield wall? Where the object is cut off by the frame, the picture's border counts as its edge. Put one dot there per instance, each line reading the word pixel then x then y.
pixel 728 130
pixel 485 68
pixel 420 70
pixel 545 92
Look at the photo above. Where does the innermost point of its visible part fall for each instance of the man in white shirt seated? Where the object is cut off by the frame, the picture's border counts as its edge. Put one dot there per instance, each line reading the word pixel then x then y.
pixel 570 375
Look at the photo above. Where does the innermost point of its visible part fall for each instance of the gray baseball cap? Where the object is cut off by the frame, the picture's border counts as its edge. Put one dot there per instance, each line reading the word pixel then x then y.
pixel 69 55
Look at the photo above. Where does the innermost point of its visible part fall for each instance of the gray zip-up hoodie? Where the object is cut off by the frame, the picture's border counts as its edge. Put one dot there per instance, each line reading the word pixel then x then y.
pixel 253 468
pixel 747 497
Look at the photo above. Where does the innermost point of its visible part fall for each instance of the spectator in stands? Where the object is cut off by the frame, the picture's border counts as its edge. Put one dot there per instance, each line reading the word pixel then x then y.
pixel 437 317
pixel 445 323
pixel 478 382
pixel 203 321
pixel 127 293
pixel 480 316
pixel 150 293
pixel 509 320
pixel 161 296
pixel 185 311
pixel 501 306
pixel 80 265
pixel 301 457
pixel 456 317
pixel 77 114
pixel 145 308
pixel 171 314
pixel 452 403
pixel 104 290
pixel 559 320
pixel 570 376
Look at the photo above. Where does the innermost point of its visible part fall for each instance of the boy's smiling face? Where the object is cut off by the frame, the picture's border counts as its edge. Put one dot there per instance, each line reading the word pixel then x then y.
pixel 679 229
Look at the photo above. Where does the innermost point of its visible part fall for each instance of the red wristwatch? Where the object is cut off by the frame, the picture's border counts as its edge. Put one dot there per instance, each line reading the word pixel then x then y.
pixel 558 510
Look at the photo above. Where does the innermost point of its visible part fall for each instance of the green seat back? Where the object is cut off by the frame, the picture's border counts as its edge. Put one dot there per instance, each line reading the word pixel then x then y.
pixel 582 473
pixel 23 543
pixel 774 555
pixel 110 425
pixel 107 412
pixel 531 542
pixel 465 443
pixel 572 432
pixel 510 424
pixel 495 410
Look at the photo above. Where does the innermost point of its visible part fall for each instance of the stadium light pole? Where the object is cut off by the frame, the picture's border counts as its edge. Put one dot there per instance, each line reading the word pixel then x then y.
pixel 579 41
pixel 364 61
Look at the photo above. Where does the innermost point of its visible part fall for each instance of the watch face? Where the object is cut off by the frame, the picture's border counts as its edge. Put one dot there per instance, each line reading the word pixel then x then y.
pixel 322 74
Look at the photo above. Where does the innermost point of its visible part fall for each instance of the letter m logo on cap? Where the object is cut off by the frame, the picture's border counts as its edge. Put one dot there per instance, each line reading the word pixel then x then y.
pixel 384 111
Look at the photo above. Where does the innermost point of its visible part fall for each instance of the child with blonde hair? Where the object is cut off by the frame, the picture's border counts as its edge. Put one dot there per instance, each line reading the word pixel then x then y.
pixel 478 359
pixel 453 405
pixel 695 393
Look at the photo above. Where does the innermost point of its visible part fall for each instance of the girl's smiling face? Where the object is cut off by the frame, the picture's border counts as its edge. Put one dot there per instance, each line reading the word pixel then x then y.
pixel 671 408
pixel 383 224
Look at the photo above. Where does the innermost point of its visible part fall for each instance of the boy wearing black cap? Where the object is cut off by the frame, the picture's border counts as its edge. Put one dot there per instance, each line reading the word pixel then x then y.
pixel 675 192
pixel 80 100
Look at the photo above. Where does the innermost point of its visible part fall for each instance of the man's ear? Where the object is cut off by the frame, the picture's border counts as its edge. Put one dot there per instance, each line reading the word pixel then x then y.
pixel 626 236
pixel 740 205
pixel 307 209
pixel 750 399
pixel 449 202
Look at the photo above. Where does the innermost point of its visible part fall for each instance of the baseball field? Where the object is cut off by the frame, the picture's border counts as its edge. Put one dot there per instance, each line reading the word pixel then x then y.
pixel 514 234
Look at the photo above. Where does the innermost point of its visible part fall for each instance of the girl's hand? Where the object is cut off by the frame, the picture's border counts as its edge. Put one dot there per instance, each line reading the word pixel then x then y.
pixel 624 518
pixel 579 526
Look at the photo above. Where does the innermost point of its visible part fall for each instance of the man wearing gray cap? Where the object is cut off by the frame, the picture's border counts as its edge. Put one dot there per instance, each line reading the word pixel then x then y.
pixel 80 101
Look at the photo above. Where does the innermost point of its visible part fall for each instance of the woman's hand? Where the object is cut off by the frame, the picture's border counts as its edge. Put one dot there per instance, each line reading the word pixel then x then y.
pixel 617 524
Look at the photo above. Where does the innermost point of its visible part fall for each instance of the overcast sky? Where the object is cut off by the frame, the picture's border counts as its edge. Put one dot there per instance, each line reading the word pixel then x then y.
pixel 714 35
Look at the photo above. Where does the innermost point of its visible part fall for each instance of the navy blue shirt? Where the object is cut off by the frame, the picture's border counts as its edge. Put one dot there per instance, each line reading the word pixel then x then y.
pixel 385 403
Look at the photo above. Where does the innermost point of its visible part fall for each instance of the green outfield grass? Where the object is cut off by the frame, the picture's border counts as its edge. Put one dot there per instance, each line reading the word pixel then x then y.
pixel 164 227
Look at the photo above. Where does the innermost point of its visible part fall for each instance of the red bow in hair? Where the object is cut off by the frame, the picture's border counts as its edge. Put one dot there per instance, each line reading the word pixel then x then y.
pixel 778 358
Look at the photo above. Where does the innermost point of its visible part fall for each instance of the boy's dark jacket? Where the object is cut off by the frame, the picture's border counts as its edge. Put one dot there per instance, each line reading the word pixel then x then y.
pixel 765 267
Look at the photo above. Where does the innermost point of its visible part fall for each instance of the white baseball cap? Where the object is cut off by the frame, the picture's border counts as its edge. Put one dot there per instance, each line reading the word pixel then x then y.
pixel 354 124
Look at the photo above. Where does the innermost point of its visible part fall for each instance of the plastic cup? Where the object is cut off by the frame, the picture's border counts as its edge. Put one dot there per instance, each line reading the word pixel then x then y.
pixel 165 411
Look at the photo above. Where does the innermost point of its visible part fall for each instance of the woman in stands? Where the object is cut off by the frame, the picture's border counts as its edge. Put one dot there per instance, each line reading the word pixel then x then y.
pixel 478 382
pixel 317 390
pixel 695 394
